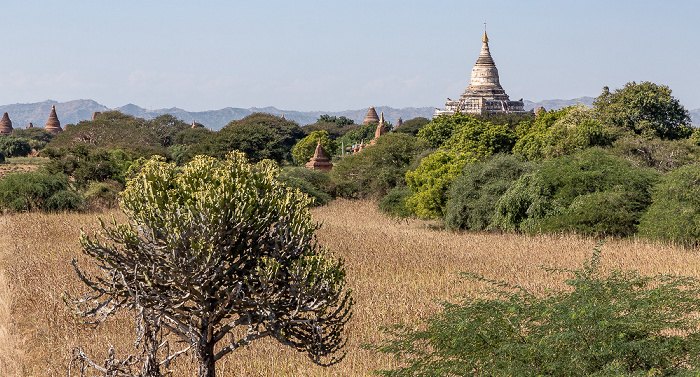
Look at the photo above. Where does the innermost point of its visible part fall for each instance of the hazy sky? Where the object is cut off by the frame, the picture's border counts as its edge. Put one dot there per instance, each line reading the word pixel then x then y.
pixel 338 55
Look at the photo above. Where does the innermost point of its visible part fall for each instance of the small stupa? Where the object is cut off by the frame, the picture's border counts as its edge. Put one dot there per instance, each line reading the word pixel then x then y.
pixel 31 125
pixel 53 125
pixel 381 130
pixel 399 123
pixel 319 161
pixel 5 125
pixel 371 116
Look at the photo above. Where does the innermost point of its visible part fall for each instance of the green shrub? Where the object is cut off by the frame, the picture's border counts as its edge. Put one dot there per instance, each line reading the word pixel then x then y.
pixel 473 195
pixel 85 164
pixel 64 200
pixel 614 324
pixel 377 169
pixel 314 183
pixel 38 191
pixel 674 214
pixel 103 194
pixel 592 192
pixel 394 202
pixel 177 152
pixel 15 146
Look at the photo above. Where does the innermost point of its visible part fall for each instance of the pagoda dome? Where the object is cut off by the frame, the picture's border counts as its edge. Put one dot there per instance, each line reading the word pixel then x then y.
pixel 5 125
pixel 371 116
pixel 53 125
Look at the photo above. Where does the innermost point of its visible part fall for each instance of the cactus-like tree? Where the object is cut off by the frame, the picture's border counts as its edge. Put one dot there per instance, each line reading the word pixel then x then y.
pixel 211 246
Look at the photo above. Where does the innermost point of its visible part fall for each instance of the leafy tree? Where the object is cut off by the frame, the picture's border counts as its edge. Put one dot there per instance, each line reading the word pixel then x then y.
pixel 259 136
pixel 674 214
pixel 561 132
pixel 439 130
pixel 377 169
pixel 646 109
pixel 472 197
pixel 113 130
pixel 306 147
pixel 603 324
pixel 165 127
pixel 412 126
pixel 591 192
pixel 191 136
pixel 340 121
pixel 336 127
pixel 213 246
pixel 430 181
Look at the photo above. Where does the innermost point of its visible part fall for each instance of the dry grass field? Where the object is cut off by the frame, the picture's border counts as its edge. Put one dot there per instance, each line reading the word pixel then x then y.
pixel 397 271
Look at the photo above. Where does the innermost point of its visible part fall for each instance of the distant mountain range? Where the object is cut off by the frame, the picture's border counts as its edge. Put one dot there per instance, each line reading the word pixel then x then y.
pixel 75 111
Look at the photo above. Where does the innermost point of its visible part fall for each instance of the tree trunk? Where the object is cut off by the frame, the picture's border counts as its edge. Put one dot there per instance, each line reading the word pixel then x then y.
pixel 207 364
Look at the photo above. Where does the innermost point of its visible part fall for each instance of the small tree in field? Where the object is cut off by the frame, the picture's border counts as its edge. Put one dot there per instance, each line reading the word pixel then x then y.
pixel 212 246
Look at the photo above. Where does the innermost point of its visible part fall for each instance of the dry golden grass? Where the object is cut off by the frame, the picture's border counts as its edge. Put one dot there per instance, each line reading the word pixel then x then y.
pixel 396 271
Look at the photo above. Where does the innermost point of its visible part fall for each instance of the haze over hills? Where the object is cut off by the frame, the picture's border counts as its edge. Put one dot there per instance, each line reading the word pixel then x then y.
pixel 78 110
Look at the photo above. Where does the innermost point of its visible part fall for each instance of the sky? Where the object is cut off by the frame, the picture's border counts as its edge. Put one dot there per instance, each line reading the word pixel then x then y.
pixel 338 55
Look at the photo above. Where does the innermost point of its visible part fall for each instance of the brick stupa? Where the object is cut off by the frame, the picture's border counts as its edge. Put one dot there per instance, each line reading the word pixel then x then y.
pixel 319 161
pixel 5 125
pixel 53 125
pixel 381 130
pixel 371 116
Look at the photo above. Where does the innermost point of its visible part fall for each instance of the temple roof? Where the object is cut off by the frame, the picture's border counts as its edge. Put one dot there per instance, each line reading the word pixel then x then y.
pixel 5 125
pixel 53 125
pixel 371 116
pixel 319 161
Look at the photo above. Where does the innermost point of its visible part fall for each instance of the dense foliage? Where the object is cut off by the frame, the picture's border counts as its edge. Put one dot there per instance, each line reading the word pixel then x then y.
pixel 591 192
pixel 29 191
pixel 603 324
pixel 674 214
pixel 561 132
pixel 377 169
pixel 473 195
pixel 114 130
pixel 259 136
pixel 314 183
pixel 462 139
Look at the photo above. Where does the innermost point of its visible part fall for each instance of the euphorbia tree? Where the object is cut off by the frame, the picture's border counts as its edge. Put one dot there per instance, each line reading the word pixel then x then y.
pixel 214 245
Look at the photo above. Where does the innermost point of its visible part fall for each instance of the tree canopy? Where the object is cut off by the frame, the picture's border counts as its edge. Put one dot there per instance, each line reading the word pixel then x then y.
pixel 260 136
pixel 646 109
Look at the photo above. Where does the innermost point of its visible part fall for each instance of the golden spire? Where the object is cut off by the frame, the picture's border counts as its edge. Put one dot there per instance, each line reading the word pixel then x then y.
pixel 485 39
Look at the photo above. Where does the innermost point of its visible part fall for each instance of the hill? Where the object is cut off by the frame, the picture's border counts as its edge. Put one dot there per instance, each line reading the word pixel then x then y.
pixel 72 112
